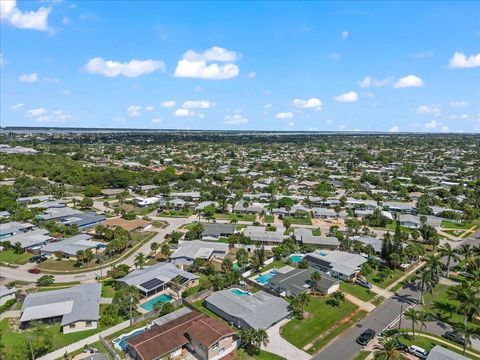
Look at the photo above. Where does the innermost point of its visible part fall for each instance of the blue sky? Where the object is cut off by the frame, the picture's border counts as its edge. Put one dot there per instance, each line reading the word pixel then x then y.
pixel 368 66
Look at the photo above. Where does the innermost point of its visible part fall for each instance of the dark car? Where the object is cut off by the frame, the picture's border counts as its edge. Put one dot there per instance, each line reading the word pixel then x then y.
pixel 34 271
pixel 365 337
pixel 449 335
pixel 37 259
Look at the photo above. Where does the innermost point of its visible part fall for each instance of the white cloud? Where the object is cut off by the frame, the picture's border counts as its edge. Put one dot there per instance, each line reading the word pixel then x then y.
pixel 431 124
pixel 17 106
pixel 236 119
pixel 133 68
pixel 445 128
pixel 344 34
pixel 156 121
pixel 409 81
pixel 351 96
pixel 30 78
pixel 168 104
pixel 284 115
pixel 312 103
pixel 207 64
pixel 368 81
pixel 33 20
pixel 458 104
pixel 37 112
pixel 461 61
pixel 134 110
pixel 394 129
pixel 197 104
pixel 149 108
pixel 252 75
pixel 434 109
pixel 183 112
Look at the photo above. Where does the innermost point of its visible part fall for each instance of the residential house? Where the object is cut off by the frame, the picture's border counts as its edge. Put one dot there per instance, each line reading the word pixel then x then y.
pixel 83 221
pixel 75 308
pixel 306 237
pixel 339 264
pixel 244 310
pixel 298 281
pixel 255 208
pixel 216 231
pixel 157 278
pixel 261 235
pixel 30 240
pixel 13 227
pixel 414 222
pixel 184 333
pixel 441 353
pixel 70 246
pixel 188 251
pixel 31 199
pixel 6 294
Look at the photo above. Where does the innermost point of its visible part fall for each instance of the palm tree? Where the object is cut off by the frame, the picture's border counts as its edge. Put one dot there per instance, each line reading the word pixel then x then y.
pixel 469 333
pixel 434 263
pixel 466 293
pixel 139 260
pixel 165 249
pixel 423 317
pixel 413 315
pixel 315 276
pixel 154 247
pixel 252 340
pixel 299 303
pixel 446 250
pixel 387 349
pixel 426 279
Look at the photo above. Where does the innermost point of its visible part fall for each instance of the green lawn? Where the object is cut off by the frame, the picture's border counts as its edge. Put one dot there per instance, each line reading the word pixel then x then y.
pixel 452 225
pixel 299 220
pixel 107 289
pixel 176 213
pixel 268 219
pixel 319 318
pixel 374 279
pixel 362 355
pixel 357 291
pixel 264 355
pixel 9 257
pixel 316 232
pixel 15 340
pixel 442 307
pixel 238 217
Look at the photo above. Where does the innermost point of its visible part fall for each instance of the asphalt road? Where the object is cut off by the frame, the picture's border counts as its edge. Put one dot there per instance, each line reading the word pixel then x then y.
pixel 345 347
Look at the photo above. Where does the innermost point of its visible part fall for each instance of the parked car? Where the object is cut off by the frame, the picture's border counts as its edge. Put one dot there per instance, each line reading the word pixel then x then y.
pixel 418 351
pixel 38 259
pixel 91 351
pixel 365 337
pixel 450 335
pixel 34 271
pixel 363 283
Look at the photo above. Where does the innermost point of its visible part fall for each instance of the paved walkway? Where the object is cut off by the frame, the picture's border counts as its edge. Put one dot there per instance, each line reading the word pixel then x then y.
pixel 10 314
pixel 87 341
pixel 381 291
pixel 278 345
pixel 364 305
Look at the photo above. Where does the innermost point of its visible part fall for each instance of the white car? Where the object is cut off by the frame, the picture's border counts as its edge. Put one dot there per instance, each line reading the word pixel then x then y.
pixel 419 352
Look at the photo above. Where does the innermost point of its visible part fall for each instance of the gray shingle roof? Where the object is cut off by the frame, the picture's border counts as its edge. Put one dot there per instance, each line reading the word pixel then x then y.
pixel 440 353
pixel 306 237
pixel 199 249
pixel 217 230
pixel 78 303
pixel 30 238
pixel 71 245
pixel 259 310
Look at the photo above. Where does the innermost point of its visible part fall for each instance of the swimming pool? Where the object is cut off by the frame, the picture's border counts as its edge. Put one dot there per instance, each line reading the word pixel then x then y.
pixel 263 279
pixel 240 292
pixel 150 303
pixel 296 258
pixel 120 342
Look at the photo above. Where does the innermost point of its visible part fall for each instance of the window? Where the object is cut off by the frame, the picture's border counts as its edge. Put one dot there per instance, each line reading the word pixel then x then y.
pixel 88 323
pixel 71 326
pixel 215 346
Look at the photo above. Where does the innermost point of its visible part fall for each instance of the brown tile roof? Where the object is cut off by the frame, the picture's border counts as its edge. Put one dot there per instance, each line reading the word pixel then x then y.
pixel 126 224
pixel 209 331
pixel 163 339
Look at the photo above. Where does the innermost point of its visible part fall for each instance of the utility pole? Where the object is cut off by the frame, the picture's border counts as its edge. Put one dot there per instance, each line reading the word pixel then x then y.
pixel 400 319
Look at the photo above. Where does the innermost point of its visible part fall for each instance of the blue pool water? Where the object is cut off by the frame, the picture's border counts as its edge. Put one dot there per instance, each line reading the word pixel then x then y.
pixel 123 344
pixel 296 258
pixel 264 278
pixel 149 304
pixel 239 292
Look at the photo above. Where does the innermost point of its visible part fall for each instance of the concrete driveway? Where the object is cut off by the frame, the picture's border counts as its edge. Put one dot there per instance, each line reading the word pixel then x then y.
pixel 282 347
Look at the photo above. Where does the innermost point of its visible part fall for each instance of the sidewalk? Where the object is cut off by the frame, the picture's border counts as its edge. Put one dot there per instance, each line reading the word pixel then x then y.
pixel 80 344
pixel 363 305
pixel 278 345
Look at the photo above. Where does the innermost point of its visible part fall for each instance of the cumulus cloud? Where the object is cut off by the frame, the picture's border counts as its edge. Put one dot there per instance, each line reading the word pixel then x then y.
pixel 133 68
pixel 168 104
pixel 284 115
pixel 433 109
pixel 394 129
pixel 197 104
pixel 371 82
pixel 215 63
pixel 37 112
pixel 312 103
pixel 432 124
pixel 149 108
pixel 351 96
pixel 461 61
pixel 409 81
pixel 183 112
pixel 236 119
pixel 30 78
pixel 33 20
pixel 134 110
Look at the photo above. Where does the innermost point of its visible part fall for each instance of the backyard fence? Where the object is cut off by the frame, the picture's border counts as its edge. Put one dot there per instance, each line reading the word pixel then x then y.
pixel 109 347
